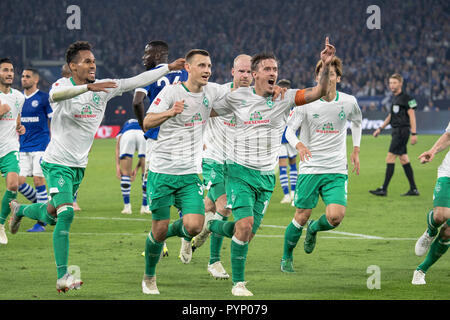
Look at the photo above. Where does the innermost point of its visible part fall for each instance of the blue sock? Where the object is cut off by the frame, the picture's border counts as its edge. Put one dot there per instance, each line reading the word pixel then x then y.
pixel 293 176
pixel 144 191
pixel 125 185
pixel 28 192
pixel 284 179
pixel 41 193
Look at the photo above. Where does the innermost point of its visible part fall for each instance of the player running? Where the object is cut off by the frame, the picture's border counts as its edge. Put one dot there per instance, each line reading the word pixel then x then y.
pixel 36 116
pixel 129 140
pixel 322 148
pixel 260 123
pixel 11 102
pixel 439 216
pixel 79 104
pixel 181 111
pixel 219 140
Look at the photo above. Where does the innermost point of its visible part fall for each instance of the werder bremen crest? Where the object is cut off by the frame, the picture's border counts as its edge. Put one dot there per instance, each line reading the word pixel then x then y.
pixel 86 110
pixel 342 114
pixel 255 116
pixel 96 98
pixel 205 102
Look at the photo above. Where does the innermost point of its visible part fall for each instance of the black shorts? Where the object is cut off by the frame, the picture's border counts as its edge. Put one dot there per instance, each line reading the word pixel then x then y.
pixel 400 137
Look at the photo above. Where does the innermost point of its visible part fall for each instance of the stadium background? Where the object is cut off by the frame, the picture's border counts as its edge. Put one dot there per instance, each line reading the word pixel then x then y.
pixel 413 40
pixel 108 246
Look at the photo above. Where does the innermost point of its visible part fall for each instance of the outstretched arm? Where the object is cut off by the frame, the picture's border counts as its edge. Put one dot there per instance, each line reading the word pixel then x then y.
pixel 440 145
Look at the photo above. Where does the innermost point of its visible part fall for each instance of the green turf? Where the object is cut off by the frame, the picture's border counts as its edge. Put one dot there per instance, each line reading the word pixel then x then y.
pixel 107 245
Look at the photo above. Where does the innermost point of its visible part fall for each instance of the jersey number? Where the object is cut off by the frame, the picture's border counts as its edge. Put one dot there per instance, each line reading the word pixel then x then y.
pixel 166 81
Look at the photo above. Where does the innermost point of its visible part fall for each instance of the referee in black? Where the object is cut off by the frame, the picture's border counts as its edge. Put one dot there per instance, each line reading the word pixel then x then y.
pixel 403 122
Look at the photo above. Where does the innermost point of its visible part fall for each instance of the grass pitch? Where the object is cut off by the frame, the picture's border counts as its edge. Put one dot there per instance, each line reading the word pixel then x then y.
pixel 107 246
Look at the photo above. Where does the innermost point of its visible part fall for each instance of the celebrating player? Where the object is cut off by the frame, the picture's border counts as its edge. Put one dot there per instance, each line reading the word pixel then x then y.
pixel 130 139
pixel 11 102
pixel 323 161
pixel 439 216
pixel 78 107
pixel 219 139
pixel 181 111
pixel 36 115
pixel 260 123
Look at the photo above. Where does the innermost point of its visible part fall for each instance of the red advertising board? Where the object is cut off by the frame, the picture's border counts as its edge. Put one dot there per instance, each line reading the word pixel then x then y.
pixel 105 132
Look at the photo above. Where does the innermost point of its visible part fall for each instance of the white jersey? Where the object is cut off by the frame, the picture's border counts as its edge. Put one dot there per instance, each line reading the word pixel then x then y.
pixel 260 124
pixel 323 130
pixel 9 138
pixel 444 168
pixel 74 124
pixel 179 147
pixel 219 134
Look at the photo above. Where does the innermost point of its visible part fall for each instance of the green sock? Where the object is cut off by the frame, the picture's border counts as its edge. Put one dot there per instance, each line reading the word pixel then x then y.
pixel 215 244
pixel 291 236
pixel 239 251
pixel 437 249
pixel 433 227
pixel 36 211
pixel 320 225
pixel 61 240
pixel 177 229
pixel 5 211
pixel 153 250
pixel 223 228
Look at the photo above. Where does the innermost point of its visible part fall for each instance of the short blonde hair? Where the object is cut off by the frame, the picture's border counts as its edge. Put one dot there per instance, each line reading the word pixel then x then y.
pixel 397 76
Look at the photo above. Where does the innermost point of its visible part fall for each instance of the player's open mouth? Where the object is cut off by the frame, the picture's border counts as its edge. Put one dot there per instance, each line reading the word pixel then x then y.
pixel 271 82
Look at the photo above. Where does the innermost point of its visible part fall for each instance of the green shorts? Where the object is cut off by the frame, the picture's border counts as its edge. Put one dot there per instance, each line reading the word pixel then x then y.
pixel 331 187
pixel 10 163
pixel 249 192
pixel 441 194
pixel 214 178
pixel 62 182
pixel 182 191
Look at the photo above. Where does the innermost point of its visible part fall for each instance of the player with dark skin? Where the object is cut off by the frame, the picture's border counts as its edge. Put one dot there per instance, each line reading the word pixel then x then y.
pixel 153 56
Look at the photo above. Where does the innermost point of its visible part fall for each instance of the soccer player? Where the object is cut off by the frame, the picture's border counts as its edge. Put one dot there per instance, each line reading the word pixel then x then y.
pixel 79 104
pixel 130 139
pixel 260 123
pixel 181 111
pixel 36 115
pixel 322 148
pixel 402 118
pixel 66 73
pixel 219 139
pixel 287 154
pixel 11 102
pixel 156 54
pixel 439 216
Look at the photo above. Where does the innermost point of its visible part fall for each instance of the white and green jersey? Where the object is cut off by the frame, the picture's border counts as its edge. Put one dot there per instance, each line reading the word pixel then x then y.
pixel 323 130
pixel 260 123
pixel 179 147
pixel 219 134
pixel 444 168
pixel 9 138
pixel 74 124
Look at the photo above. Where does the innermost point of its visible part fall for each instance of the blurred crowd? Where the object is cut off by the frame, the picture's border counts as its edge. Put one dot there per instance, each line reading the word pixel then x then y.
pixel 411 31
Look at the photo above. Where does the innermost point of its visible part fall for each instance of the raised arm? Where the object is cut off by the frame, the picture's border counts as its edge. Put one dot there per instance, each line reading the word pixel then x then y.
pixel 312 94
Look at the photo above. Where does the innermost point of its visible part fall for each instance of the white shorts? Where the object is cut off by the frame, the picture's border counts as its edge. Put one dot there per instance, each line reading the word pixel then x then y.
pixel 30 164
pixel 287 151
pixel 132 141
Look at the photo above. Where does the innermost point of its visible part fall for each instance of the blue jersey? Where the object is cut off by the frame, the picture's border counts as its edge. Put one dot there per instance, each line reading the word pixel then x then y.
pixel 283 138
pixel 36 112
pixel 131 124
pixel 153 89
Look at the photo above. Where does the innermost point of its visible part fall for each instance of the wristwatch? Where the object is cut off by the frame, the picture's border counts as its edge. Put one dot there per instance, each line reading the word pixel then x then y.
pixel 413 133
